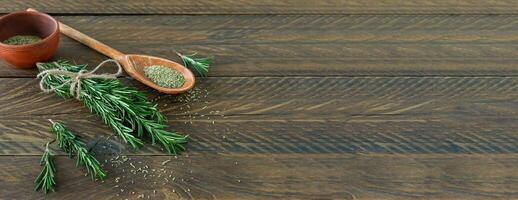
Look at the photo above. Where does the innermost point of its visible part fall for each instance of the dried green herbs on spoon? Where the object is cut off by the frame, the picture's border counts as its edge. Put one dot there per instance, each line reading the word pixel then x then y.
pixel 164 76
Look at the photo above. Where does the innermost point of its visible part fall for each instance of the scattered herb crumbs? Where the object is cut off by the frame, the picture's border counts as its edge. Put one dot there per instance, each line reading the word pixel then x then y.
pixel 21 39
pixel 165 162
pixel 164 76
pixel 138 171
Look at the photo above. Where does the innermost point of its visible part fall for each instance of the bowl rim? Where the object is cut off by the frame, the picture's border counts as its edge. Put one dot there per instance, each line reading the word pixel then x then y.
pixel 42 41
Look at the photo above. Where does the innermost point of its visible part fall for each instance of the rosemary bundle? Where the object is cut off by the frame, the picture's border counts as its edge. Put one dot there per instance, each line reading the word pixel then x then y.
pixel 70 143
pixel 125 109
pixel 199 65
pixel 45 180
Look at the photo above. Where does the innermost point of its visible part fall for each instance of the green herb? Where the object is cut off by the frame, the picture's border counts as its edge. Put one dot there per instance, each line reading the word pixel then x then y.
pixel 200 65
pixel 22 39
pixel 70 144
pixel 45 180
pixel 124 109
pixel 164 76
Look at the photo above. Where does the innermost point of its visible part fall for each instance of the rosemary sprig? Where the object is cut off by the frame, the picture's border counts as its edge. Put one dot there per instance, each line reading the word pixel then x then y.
pixel 125 109
pixel 70 143
pixel 200 65
pixel 45 180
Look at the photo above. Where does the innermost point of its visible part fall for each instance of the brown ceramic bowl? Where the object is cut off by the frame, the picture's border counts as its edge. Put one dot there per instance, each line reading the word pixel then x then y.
pixel 28 23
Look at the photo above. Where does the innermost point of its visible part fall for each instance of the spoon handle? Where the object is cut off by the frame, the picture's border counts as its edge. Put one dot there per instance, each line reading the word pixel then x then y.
pixel 87 40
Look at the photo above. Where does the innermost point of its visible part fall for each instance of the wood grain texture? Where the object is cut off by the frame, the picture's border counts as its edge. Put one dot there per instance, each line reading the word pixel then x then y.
pixel 297 98
pixel 361 99
pixel 281 176
pixel 309 45
pixel 27 137
pixel 265 7
pixel 299 115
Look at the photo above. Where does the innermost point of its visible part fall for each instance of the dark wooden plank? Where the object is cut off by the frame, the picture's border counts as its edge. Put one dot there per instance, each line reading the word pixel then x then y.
pixel 363 135
pixel 290 98
pixel 299 115
pixel 310 45
pixel 266 7
pixel 246 176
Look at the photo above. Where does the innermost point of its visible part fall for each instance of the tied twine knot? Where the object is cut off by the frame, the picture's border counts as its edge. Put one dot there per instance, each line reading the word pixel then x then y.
pixel 75 77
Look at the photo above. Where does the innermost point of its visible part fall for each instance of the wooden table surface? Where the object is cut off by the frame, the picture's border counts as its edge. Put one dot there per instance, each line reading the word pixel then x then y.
pixel 362 99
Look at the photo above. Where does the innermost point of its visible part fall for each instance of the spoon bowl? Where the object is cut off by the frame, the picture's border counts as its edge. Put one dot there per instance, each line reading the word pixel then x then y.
pixel 133 64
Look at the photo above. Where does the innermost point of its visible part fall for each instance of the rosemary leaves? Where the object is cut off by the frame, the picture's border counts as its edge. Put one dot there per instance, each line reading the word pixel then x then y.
pixel 45 180
pixel 199 65
pixel 71 144
pixel 164 76
pixel 22 40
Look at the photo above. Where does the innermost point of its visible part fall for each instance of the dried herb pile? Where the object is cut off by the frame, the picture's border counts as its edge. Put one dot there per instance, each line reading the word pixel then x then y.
pixel 164 76
pixel 22 40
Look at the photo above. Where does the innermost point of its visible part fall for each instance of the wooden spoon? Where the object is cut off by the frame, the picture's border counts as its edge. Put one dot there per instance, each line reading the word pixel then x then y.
pixel 133 64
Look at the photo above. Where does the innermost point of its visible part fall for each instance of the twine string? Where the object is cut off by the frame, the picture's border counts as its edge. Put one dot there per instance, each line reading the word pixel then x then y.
pixel 75 77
